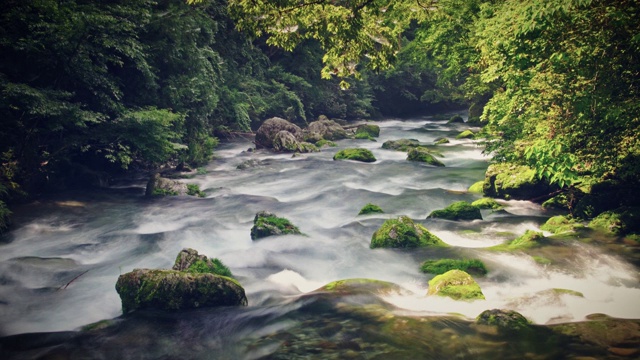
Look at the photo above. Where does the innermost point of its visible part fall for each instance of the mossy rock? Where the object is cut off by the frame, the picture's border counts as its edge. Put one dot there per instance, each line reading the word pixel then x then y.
pixel 528 240
pixel 510 181
pixel 441 141
pixel 268 224
pixel 362 286
pixel 370 209
pixel 618 222
pixel 401 144
pixel 467 134
pixel 370 130
pixel 455 284
pixel 609 333
pixel 356 154
pixel 441 266
pixel 507 321
pixel 159 186
pixel 177 290
pixel 188 260
pixel 486 203
pixel 455 119
pixel 403 233
pixel 557 202
pixel 460 210
pixel 285 141
pixel 560 224
pixel 422 154
pixel 270 127
pixel 326 129
pixel 325 143
pixel 476 187
pixel 363 136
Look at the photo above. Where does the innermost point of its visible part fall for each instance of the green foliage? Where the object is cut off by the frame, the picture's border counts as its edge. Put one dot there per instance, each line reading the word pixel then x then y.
pixel 441 266
pixel 194 190
pixel 211 266
pixel 370 209
pixel 356 154
pixel 460 210
pixel 164 192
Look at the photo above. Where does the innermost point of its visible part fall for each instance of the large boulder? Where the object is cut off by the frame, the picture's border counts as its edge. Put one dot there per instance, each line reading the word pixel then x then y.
pixel 460 210
pixel 507 321
pixel 326 129
pixel 177 290
pixel 455 284
pixel 510 181
pixel 356 154
pixel 620 221
pixel 285 141
pixel 159 186
pixel 268 224
pixel 367 131
pixel 268 130
pixel 403 233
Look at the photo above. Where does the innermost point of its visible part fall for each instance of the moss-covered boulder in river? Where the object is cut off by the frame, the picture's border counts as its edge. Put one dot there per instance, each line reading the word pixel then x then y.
pixel 268 130
pixel 268 224
pixel 507 321
pixel 401 144
pixel 188 260
pixel 423 155
pixel 486 203
pixel 476 187
pixel 370 209
pixel 285 141
pixel 620 221
pixel 460 210
pixel 561 224
pixel 177 290
pixel 359 286
pixel 159 186
pixel 529 239
pixel 356 154
pixel 467 134
pixel 326 129
pixel 441 141
pixel 455 284
pixel 510 181
pixel 366 131
pixel 403 233
pixel 441 266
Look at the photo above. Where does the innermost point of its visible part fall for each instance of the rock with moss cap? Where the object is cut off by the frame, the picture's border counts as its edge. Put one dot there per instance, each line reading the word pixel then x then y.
pixel 476 187
pixel 268 224
pixel 401 144
pixel 367 131
pixel 159 186
pixel 529 239
pixel 561 224
pixel 455 119
pixel 457 285
pixel 486 203
pixel 370 209
pixel 268 130
pixel 441 141
pixel 510 181
pixel 362 286
pixel 188 260
pixel 507 321
pixel 177 290
pixel 423 154
pixel 355 154
pixel 441 266
pixel 460 210
pixel 467 134
pixel 403 233
pixel 326 129
pixel 621 221
pixel 284 141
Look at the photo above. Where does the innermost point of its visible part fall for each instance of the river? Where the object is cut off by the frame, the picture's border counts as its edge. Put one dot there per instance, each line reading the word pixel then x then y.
pixel 59 266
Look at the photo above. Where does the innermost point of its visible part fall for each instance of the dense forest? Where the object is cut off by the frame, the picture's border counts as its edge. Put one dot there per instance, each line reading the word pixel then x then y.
pixel 95 88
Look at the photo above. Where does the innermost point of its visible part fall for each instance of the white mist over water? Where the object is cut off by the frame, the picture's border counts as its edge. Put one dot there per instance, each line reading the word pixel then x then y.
pixel 101 237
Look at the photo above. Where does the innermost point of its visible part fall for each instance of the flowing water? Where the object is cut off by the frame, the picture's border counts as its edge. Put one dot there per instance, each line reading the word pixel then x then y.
pixel 58 268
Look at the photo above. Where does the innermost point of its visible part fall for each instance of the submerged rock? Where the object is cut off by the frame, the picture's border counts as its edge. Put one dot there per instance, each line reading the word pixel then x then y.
pixel 423 155
pixel 403 233
pixel 268 130
pixel 159 186
pixel 460 210
pixel 441 141
pixel 510 181
pixel 359 285
pixel 370 209
pixel 326 129
pixel 455 284
pixel 356 154
pixel 268 224
pixel 177 290
pixel 401 144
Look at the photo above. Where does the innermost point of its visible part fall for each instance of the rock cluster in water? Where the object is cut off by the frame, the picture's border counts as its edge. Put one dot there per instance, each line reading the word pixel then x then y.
pixel 195 281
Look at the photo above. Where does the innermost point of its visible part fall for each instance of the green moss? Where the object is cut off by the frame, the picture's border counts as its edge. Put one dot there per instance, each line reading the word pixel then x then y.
pixel 403 233
pixel 423 155
pixel 401 144
pixel 508 181
pixel 441 141
pixel 558 291
pixel 486 203
pixel 476 187
pixel 505 320
pixel 541 260
pixel 194 190
pixel 369 130
pixel 455 284
pixel 356 154
pixel 325 143
pixel 164 192
pixel 360 285
pixel 267 224
pixel 633 237
pixel 364 136
pixel 460 210
pixel 528 240
pixel 306 147
pixel 619 222
pixel 557 202
pixel 441 266
pixel 213 266
pixel 455 119
pixel 467 134
pixel 370 209
pixel 560 224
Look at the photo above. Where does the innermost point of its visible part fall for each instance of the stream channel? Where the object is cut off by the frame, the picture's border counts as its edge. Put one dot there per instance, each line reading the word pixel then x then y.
pixel 59 266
